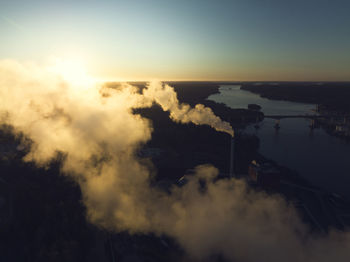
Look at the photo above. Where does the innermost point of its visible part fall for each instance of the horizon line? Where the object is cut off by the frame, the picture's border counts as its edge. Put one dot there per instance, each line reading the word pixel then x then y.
pixel 233 81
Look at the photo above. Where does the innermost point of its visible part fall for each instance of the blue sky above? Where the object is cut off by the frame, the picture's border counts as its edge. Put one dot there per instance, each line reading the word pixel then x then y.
pixel 185 39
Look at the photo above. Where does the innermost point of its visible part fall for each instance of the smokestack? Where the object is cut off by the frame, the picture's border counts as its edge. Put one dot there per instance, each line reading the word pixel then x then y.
pixel 232 158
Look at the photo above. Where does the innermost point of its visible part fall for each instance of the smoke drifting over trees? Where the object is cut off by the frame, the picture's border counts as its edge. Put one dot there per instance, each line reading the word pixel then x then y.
pixel 94 128
pixel 166 97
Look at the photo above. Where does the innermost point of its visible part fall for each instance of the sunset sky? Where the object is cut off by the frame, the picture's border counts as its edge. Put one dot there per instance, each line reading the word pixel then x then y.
pixel 184 39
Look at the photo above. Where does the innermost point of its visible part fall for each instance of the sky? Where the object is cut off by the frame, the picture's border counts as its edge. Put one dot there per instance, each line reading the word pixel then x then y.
pixel 248 40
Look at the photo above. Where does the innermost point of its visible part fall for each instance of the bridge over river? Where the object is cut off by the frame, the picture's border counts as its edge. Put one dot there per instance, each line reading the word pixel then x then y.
pixel 311 117
pixel 305 116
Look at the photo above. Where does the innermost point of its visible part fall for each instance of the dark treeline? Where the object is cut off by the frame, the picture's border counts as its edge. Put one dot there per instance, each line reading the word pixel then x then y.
pixel 47 217
pixel 334 95
pixel 185 145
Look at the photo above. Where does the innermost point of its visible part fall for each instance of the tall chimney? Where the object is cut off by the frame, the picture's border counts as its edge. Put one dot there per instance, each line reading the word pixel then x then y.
pixel 232 158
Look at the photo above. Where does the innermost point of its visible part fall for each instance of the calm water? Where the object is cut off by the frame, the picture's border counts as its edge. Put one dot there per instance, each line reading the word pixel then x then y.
pixel 315 155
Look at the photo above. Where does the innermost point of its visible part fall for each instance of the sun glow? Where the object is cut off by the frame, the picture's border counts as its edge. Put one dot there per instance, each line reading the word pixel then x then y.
pixel 73 71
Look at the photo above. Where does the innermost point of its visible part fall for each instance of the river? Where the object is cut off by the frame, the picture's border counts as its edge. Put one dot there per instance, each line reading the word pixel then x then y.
pixel 320 158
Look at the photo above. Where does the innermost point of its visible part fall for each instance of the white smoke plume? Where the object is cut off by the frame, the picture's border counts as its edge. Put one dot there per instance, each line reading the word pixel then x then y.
pixel 166 97
pixel 95 129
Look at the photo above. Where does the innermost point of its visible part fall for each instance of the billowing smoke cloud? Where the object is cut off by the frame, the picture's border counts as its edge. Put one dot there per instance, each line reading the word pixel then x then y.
pixel 166 97
pixel 95 129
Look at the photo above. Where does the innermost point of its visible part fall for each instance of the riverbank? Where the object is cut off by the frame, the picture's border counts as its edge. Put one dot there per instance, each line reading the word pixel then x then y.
pixel 299 143
pixel 333 95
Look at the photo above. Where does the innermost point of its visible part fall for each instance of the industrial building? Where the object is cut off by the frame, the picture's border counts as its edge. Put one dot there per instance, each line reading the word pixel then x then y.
pixel 264 174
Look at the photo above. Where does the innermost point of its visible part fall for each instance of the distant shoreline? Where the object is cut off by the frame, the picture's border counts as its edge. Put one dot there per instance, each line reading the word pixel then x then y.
pixel 333 95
